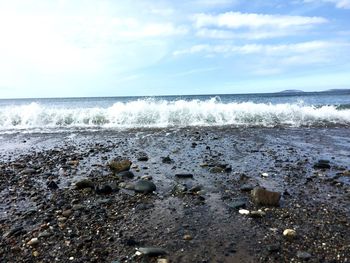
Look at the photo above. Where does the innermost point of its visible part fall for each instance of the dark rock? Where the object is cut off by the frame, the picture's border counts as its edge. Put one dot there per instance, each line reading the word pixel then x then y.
pixel 303 255
pixel 52 185
pixel 119 165
pixel 322 164
pixel 126 174
pixel 144 186
pixel 246 187
pixel 142 157
pixel 184 175
pixel 85 183
pixel 106 189
pixel 29 171
pixel 167 159
pixel 262 196
pixel 237 203
pixel 152 251
pixel 15 231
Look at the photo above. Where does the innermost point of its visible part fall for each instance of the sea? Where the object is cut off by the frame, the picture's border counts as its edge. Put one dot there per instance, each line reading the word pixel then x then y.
pixel 283 109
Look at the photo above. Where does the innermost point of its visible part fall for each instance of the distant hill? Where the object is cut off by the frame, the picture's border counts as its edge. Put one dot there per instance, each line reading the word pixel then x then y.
pixel 291 91
pixel 336 90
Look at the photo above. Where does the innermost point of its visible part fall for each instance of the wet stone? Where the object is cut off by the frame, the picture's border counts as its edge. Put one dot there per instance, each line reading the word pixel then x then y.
pixel 118 166
pixel 246 187
pixel 303 255
pixel 216 169
pixel 262 196
pixel 85 183
pixel 144 186
pixel 126 175
pixel 322 164
pixel 237 203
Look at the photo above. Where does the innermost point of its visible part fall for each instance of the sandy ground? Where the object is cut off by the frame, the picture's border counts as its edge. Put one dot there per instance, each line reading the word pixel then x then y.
pixel 44 218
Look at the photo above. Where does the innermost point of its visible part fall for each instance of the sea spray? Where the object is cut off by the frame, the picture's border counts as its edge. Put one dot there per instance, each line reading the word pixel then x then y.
pixel 162 113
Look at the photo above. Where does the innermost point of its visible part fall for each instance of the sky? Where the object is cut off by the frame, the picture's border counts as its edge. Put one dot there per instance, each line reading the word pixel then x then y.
pixel 65 48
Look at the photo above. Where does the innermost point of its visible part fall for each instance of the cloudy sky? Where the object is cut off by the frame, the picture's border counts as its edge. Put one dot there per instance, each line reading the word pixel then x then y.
pixel 65 48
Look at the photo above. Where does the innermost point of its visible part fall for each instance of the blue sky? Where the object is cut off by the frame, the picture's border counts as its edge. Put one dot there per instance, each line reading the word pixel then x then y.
pixel 64 48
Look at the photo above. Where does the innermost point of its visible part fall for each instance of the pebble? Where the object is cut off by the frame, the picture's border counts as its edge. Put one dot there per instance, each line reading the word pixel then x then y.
pixel 243 212
pixel 162 260
pixel 33 242
pixel 257 214
pixel 303 255
pixel 289 233
pixel 67 213
pixel 152 251
pixel 187 237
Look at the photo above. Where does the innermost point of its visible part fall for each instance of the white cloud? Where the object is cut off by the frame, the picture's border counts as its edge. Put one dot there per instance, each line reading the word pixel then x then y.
pixel 247 49
pixel 236 20
pixel 343 4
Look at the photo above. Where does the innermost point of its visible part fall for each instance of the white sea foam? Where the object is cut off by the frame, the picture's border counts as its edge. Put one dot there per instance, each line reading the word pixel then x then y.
pixel 181 113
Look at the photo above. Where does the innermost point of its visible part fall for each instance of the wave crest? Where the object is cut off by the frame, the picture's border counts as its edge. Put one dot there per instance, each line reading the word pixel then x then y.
pixel 152 113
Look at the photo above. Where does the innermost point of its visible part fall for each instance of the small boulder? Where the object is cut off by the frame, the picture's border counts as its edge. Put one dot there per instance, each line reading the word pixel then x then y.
pixel 262 196
pixel 119 165
pixel 144 186
pixel 84 183
pixel 322 164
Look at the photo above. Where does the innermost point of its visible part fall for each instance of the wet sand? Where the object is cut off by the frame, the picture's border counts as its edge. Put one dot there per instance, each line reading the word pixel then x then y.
pixel 44 218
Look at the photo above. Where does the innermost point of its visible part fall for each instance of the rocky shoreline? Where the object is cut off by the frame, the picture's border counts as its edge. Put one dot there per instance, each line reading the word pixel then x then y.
pixel 215 194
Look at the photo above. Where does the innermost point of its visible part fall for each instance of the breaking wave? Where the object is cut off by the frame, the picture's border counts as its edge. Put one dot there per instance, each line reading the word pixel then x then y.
pixel 180 113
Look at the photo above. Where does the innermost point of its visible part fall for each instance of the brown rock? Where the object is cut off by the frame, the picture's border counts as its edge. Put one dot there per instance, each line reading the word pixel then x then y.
pixel 118 166
pixel 262 196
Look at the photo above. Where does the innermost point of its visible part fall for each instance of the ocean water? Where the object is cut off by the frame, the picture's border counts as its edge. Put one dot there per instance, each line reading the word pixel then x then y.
pixel 312 109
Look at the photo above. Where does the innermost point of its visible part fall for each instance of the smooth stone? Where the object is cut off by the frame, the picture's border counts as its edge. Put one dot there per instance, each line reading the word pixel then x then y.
pixel 244 212
pixel 262 196
pixel 118 166
pixel 67 213
pixel 127 186
pixel 303 255
pixel 144 186
pixel 85 183
pixel 33 242
pixel 257 214
pixel 187 237
pixel 44 234
pixel 152 251
pixel 238 203
pixel 184 175
pixel 289 233
pixel 162 260
pixel 126 174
